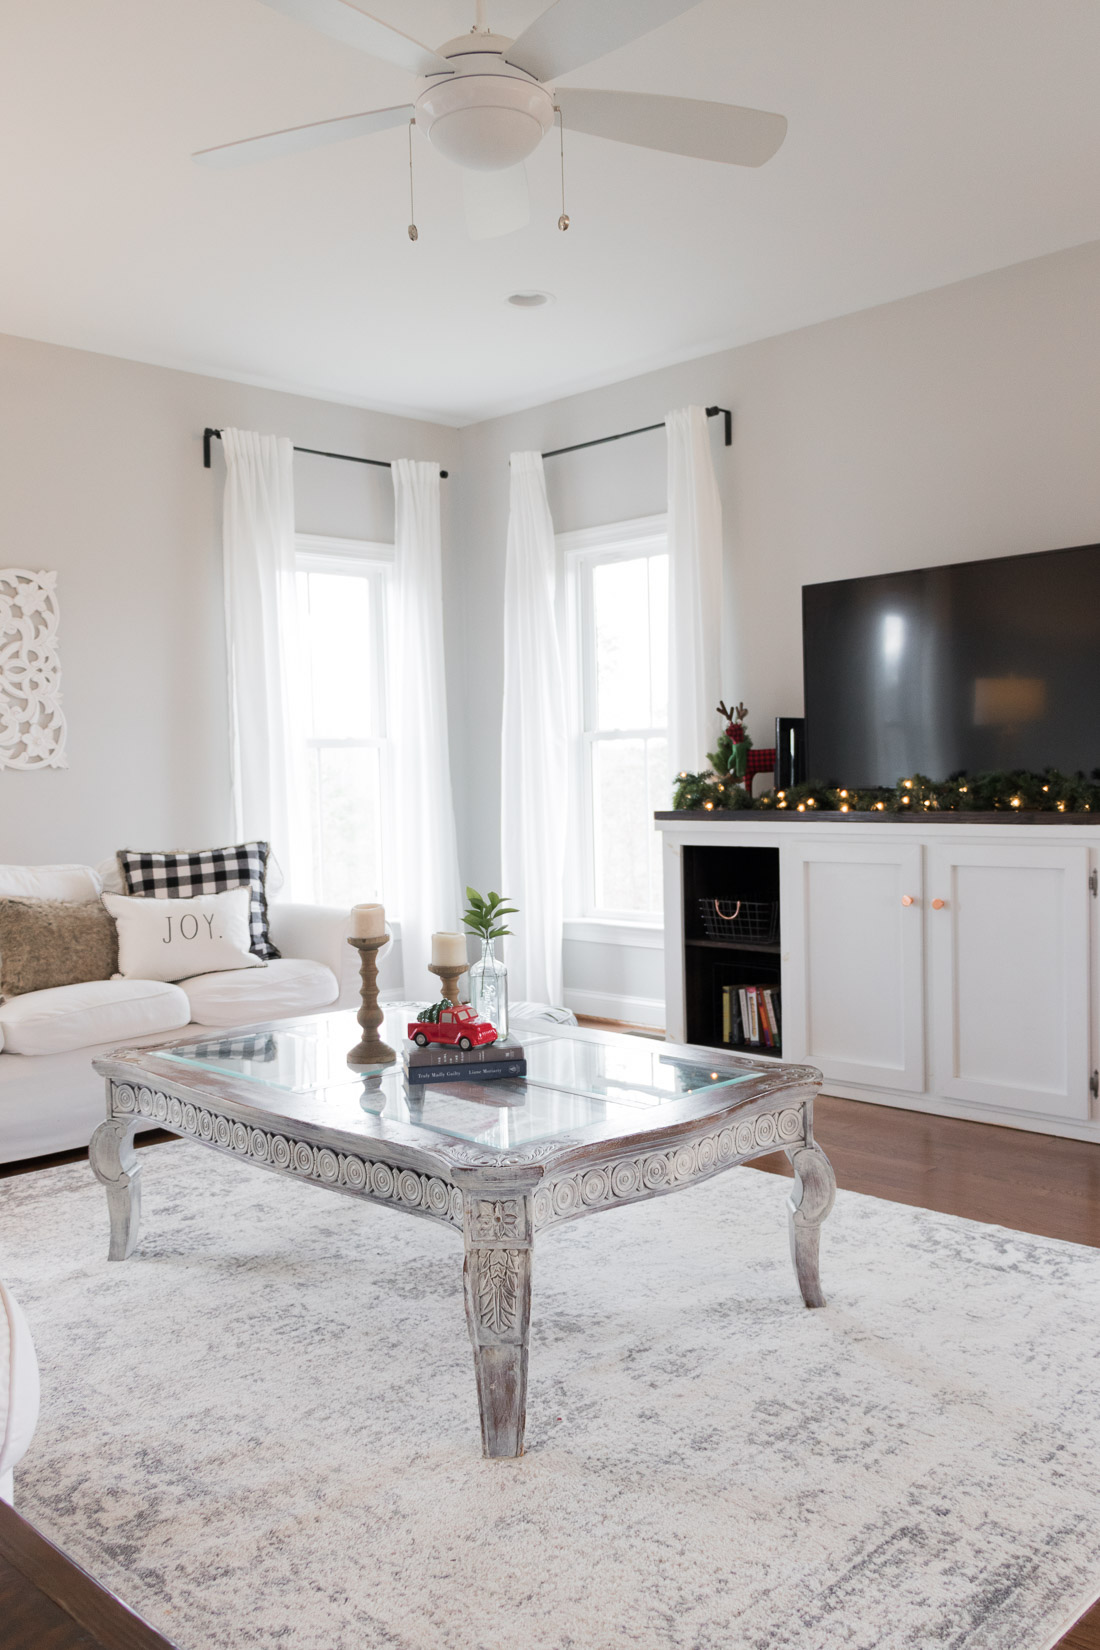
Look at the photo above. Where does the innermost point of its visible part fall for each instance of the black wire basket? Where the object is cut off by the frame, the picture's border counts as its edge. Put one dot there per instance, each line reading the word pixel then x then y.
pixel 740 919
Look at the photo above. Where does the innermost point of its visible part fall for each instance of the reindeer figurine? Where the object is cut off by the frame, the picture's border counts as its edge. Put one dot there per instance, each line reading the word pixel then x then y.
pixel 731 759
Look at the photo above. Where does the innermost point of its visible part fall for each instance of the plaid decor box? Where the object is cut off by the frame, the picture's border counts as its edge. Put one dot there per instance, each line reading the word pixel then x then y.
pixel 210 871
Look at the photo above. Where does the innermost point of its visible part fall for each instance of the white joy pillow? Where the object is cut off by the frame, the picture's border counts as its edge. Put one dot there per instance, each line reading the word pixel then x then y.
pixel 171 939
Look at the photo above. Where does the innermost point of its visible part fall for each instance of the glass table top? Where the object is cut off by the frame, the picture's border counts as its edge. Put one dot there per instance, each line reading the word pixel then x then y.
pixel 300 1070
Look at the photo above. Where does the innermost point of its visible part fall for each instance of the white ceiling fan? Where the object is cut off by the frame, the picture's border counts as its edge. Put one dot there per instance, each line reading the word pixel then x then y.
pixel 487 102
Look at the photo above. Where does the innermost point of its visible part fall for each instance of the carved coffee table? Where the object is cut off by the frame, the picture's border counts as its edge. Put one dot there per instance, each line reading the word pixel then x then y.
pixel 601 1120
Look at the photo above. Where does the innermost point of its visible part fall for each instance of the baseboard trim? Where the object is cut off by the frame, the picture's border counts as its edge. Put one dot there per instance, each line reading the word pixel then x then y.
pixel 1067 1128
pixel 608 1005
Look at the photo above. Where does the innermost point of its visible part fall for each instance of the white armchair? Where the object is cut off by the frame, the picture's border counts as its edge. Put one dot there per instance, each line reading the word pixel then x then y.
pixel 18 1390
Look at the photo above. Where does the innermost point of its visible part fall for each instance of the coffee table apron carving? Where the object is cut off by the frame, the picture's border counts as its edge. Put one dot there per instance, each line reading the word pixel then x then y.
pixel 602 1120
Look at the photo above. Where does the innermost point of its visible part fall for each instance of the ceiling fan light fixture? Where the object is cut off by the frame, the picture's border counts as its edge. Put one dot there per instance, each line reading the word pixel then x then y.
pixel 484 119
pixel 529 300
pixel 485 140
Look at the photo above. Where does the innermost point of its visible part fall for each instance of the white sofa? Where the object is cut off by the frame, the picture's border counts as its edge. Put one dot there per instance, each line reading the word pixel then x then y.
pixel 50 1097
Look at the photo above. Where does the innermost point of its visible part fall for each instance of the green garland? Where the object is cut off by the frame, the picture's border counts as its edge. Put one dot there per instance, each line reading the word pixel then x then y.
pixel 1013 792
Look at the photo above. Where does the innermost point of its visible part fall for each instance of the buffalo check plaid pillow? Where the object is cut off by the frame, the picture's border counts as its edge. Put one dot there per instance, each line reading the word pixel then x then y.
pixel 212 871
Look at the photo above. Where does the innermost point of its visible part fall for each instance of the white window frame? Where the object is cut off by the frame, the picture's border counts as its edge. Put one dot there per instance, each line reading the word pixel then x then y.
pixel 317 553
pixel 580 552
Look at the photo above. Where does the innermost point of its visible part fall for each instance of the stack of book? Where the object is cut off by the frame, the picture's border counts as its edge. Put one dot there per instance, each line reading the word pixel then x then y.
pixel 442 1063
pixel 750 1015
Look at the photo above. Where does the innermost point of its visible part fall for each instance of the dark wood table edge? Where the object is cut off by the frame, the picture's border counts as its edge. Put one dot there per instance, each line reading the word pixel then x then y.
pixel 51 1572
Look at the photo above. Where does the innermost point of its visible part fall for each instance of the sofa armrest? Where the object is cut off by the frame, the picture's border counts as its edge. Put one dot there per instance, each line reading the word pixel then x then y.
pixel 319 932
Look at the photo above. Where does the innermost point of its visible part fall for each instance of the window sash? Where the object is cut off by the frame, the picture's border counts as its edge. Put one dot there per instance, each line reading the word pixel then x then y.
pixel 583 552
pixel 374 562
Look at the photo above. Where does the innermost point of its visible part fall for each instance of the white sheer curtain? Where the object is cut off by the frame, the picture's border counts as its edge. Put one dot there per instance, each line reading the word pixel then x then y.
pixel 534 752
pixel 262 649
pixel 695 590
pixel 426 888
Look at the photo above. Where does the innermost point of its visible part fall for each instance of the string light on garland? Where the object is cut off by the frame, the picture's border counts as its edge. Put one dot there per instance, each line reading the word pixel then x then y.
pixel 1016 792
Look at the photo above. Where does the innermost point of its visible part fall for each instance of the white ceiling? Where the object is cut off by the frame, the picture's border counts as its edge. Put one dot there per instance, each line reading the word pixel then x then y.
pixel 929 140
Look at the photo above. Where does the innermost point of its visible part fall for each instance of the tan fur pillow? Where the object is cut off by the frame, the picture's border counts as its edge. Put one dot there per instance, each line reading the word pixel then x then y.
pixel 48 942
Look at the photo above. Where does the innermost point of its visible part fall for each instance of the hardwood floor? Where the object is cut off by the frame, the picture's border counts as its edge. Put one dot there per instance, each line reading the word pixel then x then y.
pixel 49 1603
pixel 1029 1182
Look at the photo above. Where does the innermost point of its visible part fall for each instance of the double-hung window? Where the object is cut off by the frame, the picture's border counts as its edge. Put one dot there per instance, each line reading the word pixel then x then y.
pixel 618 587
pixel 343 587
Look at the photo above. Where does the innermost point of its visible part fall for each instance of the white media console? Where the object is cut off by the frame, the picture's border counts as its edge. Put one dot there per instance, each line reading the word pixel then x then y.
pixel 947 965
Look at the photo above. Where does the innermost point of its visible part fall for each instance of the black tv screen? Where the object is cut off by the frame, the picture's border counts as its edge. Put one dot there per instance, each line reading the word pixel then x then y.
pixel 981 665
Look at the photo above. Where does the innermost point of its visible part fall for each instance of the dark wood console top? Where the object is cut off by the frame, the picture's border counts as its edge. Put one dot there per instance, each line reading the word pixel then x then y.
pixel 919 816
pixel 49 1603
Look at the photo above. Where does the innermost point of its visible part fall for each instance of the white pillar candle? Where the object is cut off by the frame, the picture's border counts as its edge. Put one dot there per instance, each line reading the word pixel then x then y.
pixel 368 922
pixel 449 950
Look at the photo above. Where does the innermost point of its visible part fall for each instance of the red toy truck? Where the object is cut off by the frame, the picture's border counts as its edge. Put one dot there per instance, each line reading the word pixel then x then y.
pixel 456 1024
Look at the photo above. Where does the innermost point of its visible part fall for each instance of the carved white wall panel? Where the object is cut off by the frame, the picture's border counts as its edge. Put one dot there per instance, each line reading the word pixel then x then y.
pixel 32 726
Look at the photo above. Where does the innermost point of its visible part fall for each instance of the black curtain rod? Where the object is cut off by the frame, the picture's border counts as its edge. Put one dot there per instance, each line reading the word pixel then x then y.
pixel 578 446
pixel 209 435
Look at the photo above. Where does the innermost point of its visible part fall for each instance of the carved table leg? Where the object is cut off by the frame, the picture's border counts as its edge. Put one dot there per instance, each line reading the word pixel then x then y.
pixel 810 1201
pixel 115 1163
pixel 499 1228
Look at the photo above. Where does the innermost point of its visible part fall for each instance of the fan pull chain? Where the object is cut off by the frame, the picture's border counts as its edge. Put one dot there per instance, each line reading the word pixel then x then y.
pixel 563 221
pixel 414 233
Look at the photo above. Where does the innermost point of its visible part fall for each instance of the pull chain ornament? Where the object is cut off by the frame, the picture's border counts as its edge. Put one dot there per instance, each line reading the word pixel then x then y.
pixel 563 221
pixel 414 233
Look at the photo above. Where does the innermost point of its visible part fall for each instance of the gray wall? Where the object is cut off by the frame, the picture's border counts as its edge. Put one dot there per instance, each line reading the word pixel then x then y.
pixel 101 478
pixel 960 423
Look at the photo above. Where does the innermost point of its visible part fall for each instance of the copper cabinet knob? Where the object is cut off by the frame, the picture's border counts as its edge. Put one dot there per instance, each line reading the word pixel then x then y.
pixel 937 905
pixel 907 899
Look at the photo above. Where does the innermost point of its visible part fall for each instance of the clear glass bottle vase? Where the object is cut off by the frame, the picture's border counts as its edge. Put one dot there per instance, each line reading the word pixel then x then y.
pixel 489 989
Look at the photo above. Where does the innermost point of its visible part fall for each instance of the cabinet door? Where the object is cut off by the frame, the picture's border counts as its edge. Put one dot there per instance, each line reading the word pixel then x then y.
pixel 1009 969
pixel 853 981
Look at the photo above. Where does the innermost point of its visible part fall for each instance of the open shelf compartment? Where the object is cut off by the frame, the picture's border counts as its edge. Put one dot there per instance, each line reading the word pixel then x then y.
pixel 718 879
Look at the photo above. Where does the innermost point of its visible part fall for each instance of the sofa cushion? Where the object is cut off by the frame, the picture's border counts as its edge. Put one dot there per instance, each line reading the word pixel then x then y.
pixel 72 882
pixel 175 939
pixel 100 1011
pixel 206 871
pixel 48 942
pixel 287 986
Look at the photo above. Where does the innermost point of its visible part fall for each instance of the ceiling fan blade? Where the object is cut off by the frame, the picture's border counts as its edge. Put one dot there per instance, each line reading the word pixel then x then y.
pixel 574 32
pixel 296 138
pixel 497 203
pixel 345 21
pixel 678 125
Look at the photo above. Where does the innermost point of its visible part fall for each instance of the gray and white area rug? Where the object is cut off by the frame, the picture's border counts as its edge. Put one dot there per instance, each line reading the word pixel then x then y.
pixel 262 1429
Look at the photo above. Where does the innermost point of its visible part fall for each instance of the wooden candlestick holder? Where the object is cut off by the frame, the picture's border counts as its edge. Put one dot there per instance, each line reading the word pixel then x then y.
pixel 371 1051
pixel 450 978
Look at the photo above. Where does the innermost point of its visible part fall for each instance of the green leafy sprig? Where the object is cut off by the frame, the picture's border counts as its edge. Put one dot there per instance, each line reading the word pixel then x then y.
pixel 483 917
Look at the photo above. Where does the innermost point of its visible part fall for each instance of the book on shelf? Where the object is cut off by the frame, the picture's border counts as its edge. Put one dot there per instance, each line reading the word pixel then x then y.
pixel 447 1054
pixel 488 1071
pixel 750 1015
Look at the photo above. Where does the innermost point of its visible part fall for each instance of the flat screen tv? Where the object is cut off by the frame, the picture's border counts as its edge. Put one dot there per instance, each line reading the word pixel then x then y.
pixel 980 665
